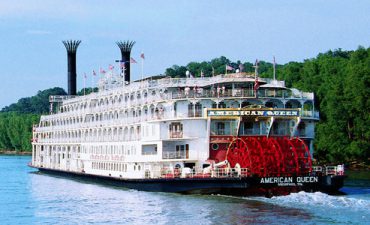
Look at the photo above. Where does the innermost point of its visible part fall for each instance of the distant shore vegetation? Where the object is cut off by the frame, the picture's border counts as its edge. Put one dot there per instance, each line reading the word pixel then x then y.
pixel 340 80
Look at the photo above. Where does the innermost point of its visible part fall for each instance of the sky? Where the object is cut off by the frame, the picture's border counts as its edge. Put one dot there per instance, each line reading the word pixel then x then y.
pixel 168 32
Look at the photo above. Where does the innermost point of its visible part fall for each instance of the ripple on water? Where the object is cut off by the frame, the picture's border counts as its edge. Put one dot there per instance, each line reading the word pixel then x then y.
pixel 32 198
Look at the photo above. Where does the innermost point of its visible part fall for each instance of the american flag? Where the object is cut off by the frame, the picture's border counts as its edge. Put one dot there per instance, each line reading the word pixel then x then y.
pixel 94 73
pixel 102 71
pixel 229 67
pixel 85 76
pixel 132 60
pixel 142 56
pixel 111 67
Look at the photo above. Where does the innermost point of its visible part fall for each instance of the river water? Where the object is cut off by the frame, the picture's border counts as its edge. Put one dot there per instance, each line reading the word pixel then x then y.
pixel 28 197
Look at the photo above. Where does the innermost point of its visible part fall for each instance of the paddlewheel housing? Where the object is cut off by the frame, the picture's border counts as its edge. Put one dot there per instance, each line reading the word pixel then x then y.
pixel 268 156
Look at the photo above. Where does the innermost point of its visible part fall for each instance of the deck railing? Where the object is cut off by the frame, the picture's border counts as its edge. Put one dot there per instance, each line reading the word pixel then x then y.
pixel 202 173
pixel 174 155
pixel 328 170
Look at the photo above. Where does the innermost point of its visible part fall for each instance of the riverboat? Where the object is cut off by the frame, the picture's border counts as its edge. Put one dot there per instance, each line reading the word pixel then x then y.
pixel 232 133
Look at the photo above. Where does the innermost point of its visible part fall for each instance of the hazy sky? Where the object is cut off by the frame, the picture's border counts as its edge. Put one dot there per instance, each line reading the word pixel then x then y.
pixel 33 58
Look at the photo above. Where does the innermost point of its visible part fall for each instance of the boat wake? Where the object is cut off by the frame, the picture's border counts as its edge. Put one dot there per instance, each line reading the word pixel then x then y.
pixel 326 208
pixel 318 199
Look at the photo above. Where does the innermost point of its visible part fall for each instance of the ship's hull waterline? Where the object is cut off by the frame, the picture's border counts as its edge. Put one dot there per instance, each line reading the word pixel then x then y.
pixel 244 186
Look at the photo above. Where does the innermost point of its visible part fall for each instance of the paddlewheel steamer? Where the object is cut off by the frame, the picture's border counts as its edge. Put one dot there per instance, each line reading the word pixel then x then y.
pixel 230 134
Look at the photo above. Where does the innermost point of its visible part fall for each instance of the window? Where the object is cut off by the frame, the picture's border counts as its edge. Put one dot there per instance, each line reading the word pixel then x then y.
pixel 198 110
pixel 176 130
pixel 220 128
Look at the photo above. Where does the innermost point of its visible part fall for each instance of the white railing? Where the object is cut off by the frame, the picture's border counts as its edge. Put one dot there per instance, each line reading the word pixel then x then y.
pixel 329 170
pixel 310 114
pixel 200 173
pixel 174 155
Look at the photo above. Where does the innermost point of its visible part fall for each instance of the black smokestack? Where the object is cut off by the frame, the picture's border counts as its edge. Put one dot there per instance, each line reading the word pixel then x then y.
pixel 71 47
pixel 125 48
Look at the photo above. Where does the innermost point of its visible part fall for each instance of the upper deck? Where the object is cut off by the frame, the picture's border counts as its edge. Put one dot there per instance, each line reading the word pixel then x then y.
pixel 237 86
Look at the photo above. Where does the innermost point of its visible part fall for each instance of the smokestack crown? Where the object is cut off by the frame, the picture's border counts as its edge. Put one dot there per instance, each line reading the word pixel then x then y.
pixel 71 46
pixel 125 46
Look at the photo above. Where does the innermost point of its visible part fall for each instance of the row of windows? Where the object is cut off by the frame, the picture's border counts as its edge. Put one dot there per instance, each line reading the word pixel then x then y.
pixel 121 167
pixel 106 116
pixel 193 110
pixel 117 99
pixel 110 149
pixel 251 127
pixel 109 134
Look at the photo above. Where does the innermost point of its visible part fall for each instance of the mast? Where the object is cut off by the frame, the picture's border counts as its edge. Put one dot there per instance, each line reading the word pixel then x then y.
pixel 274 69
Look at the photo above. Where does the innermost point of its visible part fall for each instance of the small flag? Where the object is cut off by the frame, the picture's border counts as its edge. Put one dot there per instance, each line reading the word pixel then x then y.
pixel 229 67
pixel 102 71
pixel 142 55
pixel 94 73
pixel 85 76
pixel 256 84
pixel 132 60
pixel 111 67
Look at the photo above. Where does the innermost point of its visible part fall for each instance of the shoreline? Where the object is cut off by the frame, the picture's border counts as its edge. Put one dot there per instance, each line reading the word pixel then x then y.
pixel 10 152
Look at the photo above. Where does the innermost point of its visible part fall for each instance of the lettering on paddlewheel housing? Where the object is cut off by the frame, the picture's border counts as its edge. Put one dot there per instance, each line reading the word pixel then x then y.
pixel 289 181
pixel 252 112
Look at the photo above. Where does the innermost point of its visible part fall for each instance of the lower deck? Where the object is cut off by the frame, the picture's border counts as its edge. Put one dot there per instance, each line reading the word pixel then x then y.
pixel 242 186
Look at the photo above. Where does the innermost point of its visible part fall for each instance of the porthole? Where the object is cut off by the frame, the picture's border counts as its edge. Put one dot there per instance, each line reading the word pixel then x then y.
pixel 215 147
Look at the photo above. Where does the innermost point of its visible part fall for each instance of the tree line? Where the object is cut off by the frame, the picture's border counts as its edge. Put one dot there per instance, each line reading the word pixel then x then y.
pixel 340 80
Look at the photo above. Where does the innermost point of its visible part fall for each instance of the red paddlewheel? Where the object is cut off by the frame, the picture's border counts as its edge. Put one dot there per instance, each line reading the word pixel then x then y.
pixel 237 153
pixel 303 155
pixel 247 153
pixel 290 163
pixel 258 163
pixel 273 156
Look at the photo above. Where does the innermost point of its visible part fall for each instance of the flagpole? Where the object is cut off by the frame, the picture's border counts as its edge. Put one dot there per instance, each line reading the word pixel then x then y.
pixel 142 65
pixel 274 69
pixel 84 84
pixel 92 85
pixel 256 79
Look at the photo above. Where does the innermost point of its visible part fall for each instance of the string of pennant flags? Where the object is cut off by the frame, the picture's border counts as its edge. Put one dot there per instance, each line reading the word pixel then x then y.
pixel 188 74
pixel 142 56
pixel 111 67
